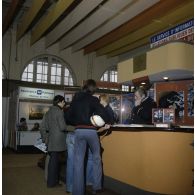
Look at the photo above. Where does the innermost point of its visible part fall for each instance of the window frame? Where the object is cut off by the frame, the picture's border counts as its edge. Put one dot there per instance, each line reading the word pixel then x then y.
pixel 109 71
pixel 50 60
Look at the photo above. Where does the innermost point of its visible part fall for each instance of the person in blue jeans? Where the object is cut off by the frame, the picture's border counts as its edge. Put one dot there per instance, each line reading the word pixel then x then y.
pixel 70 142
pixel 70 160
pixel 82 107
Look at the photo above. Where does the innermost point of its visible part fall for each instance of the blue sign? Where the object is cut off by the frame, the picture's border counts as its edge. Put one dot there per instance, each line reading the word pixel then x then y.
pixel 39 92
pixel 173 31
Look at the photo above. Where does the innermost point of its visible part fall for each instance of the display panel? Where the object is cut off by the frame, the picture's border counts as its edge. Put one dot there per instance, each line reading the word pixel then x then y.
pixel 163 115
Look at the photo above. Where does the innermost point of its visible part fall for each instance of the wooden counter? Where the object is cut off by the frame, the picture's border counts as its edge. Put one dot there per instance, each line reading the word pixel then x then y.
pixel 149 160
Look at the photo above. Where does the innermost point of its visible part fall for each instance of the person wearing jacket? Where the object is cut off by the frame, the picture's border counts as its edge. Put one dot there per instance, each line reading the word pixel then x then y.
pixel 82 107
pixel 112 117
pixel 142 111
pixel 53 133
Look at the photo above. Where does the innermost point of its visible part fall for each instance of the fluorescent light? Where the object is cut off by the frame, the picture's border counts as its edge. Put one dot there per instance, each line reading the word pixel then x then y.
pixel 165 78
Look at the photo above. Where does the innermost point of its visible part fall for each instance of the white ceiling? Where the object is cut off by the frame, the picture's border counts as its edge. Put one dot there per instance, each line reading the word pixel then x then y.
pixel 96 25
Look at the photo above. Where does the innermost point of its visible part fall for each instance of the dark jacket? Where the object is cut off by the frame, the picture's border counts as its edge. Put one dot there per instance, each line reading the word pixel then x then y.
pixel 53 128
pixel 82 107
pixel 112 118
pixel 142 114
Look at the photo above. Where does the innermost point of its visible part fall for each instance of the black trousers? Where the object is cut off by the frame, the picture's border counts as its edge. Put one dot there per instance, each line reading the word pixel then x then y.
pixel 53 169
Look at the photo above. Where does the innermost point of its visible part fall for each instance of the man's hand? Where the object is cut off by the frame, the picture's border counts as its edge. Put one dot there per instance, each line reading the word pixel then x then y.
pixel 106 126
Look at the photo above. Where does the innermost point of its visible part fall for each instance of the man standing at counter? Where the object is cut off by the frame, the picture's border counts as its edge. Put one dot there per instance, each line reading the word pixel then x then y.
pixel 142 112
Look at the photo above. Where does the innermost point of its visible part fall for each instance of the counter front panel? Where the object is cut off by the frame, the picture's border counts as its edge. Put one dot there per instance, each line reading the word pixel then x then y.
pixel 150 159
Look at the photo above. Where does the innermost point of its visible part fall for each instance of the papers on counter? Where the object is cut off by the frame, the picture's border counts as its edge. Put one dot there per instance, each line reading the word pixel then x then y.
pixel 187 127
pixel 131 125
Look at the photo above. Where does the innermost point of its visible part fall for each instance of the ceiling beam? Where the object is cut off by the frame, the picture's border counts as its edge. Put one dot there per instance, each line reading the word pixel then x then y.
pixel 76 16
pixel 57 11
pixel 11 13
pixel 129 12
pixel 134 45
pixel 179 15
pixel 100 16
pixel 29 17
pixel 156 11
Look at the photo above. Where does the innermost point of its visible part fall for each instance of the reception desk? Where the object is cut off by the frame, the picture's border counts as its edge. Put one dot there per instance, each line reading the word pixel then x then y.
pixel 149 160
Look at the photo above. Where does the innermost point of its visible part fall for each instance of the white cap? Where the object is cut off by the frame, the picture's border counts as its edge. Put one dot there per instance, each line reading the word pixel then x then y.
pixel 97 121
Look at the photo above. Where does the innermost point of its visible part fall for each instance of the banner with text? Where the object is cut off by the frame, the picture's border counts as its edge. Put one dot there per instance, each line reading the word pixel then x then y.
pixel 34 93
pixel 184 31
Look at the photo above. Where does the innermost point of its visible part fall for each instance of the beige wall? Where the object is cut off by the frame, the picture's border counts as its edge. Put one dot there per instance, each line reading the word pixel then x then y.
pixel 16 56
pixel 160 162
pixel 173 56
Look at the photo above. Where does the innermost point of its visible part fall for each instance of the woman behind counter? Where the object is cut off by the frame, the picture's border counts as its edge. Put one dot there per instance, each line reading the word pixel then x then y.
pixel 142 111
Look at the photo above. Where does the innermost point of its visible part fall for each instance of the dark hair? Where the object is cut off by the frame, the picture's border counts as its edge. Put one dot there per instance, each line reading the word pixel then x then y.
pixel 90 86
pixel 22 119
pixel 57 99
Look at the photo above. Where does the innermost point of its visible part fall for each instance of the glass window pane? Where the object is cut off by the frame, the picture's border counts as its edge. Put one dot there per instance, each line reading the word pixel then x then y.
pixel 39 63
pixel 59 71
pixel 115 78
pixel 52 78
pixel 45 77
pixel 39 69
pixel 66 73
pixel 58 80
pixel 66 80
pixel 53 70
pixel 39 76
pixel 30 75
pixel 111 78
pixel 24 75
pixel 45 70
pixel 106 77
pixel 30 67
pixel 58 65
pixel 26 69
pixel 30 79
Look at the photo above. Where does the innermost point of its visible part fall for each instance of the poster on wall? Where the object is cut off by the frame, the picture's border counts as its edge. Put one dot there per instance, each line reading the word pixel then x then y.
pixel 190 99
pixel 175 100
pixel 36 112
pixel 179 104
pixel 32 112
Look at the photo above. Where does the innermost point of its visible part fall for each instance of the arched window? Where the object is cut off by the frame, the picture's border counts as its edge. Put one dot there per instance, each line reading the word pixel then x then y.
pixel 48 70
pixel 111 75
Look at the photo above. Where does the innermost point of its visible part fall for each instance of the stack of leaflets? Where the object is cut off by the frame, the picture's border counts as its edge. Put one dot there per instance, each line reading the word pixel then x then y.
pixel 40 145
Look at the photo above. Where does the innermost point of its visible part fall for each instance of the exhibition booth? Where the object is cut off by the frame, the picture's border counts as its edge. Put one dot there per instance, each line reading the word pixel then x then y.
pixel 30 104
